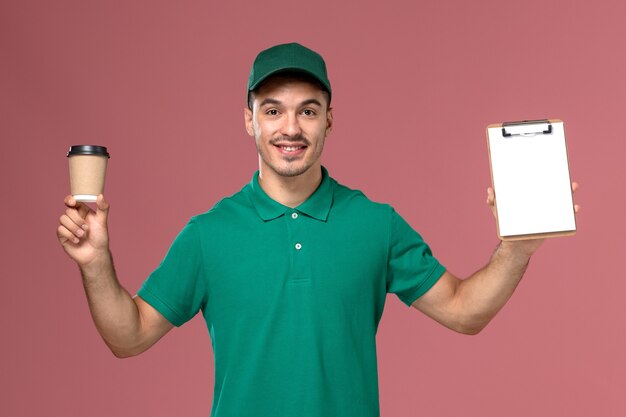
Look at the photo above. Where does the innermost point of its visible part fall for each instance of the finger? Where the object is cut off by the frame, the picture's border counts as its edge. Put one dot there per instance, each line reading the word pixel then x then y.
pixel 575 187
pixel 65 235
pixel 72 227
pixel 76 216
pixel 82 208
pixel 70 201
pixel 490 196
pixel 102 208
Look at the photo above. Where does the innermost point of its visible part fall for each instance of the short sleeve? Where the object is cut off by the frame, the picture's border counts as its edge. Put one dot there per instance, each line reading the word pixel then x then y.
pixel 412 269
pixel 177 288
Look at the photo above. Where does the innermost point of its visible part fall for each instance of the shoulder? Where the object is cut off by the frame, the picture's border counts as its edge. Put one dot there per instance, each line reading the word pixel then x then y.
pixel 355 201
pixel 228 208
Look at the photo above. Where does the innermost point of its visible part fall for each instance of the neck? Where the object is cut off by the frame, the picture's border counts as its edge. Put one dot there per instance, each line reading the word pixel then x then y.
pixel 290 191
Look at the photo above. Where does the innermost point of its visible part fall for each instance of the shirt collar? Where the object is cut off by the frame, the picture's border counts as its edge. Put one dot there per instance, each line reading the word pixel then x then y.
pixel 316 206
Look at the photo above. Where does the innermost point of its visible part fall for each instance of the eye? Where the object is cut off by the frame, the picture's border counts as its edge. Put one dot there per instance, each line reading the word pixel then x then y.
pixel 308 112
pixel 272 112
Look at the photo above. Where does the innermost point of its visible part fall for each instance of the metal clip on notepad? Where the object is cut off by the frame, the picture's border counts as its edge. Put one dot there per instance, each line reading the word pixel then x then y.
pixel 527 128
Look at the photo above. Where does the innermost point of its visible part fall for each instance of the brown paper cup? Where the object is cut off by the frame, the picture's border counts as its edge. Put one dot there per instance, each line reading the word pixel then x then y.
pixel 88 164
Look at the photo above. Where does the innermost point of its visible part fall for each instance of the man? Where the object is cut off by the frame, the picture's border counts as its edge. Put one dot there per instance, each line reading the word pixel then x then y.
pixel 290 273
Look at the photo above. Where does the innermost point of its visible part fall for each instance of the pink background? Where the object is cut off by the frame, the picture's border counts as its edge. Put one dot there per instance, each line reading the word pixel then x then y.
pixel 162 84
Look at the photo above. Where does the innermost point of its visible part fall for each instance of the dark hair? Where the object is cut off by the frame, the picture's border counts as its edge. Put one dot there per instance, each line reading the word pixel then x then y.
pixel 290 76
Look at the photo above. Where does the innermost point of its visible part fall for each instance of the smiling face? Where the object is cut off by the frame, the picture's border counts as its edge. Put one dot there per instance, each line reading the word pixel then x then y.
pixel 289 120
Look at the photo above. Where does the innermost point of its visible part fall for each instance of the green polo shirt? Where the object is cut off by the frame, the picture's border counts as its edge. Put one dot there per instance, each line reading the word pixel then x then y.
pixel 292 298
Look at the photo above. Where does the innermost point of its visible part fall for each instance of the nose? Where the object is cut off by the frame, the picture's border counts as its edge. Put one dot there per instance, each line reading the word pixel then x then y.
pixel 291 125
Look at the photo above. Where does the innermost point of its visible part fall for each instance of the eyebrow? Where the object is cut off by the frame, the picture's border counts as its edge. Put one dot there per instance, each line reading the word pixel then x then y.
pixel 311 101
pixel 269 101
pixel 278 102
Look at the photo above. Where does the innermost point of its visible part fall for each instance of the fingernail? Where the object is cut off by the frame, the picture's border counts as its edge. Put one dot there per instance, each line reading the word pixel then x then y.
pixel 75 240
pixel 80 232
pixel 84 226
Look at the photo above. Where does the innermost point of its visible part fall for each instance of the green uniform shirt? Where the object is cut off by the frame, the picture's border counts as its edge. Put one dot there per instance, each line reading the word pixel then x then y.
pixel 292 298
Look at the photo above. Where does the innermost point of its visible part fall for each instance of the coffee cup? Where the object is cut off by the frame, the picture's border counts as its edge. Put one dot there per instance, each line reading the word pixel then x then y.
pixel 88 164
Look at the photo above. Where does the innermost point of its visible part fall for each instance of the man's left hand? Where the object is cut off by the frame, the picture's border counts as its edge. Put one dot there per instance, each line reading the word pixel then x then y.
pixel 528 246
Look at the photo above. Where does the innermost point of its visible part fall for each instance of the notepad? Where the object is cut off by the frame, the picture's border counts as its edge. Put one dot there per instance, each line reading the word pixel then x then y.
pixel 531 179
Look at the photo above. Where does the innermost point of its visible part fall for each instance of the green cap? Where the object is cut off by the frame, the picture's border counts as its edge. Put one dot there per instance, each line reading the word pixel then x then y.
pixel 288 57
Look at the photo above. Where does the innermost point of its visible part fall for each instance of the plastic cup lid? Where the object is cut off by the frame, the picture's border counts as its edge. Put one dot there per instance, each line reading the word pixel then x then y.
pixel 88 150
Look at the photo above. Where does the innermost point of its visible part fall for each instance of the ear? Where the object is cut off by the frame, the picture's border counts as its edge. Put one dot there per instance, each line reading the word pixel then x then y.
pixel 329 121
pixel 247 116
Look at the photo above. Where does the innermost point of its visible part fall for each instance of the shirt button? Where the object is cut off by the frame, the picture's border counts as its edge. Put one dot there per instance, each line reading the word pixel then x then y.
pixel 294 215
pixel 298 246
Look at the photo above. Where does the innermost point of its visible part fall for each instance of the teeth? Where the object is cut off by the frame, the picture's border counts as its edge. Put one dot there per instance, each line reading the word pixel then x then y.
pixel 291 148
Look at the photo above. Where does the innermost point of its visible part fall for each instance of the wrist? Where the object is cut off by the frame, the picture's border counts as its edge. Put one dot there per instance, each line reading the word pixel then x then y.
pixel 101 262
pixel 519 251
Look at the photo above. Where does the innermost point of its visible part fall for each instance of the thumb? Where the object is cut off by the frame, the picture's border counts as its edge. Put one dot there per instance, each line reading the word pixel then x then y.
pixel 102 209
pixel 491 200
pixel 491 196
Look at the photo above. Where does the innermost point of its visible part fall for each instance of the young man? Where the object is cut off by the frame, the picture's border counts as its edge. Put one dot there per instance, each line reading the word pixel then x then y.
pixel 292 272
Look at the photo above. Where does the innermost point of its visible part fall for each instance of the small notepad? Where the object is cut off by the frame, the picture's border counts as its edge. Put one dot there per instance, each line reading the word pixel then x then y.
pixel 531 179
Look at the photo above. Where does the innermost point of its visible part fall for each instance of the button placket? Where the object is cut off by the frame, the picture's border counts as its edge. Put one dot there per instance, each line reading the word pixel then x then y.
pixel 296 228
pixel 298 245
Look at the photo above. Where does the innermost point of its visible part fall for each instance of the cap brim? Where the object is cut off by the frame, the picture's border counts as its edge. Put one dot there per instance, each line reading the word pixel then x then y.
pixel 287 69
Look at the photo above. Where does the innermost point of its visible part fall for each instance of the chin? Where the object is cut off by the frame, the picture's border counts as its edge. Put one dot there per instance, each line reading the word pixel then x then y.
pixel 292 169
pixel 291 172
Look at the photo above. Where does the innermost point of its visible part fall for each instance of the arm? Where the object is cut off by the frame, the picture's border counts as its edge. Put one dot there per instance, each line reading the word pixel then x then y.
pixel 468 305
pixel 128 325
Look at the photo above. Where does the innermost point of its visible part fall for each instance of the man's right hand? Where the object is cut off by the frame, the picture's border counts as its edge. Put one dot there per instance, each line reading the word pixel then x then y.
pixel 128 325
pixel 83 231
